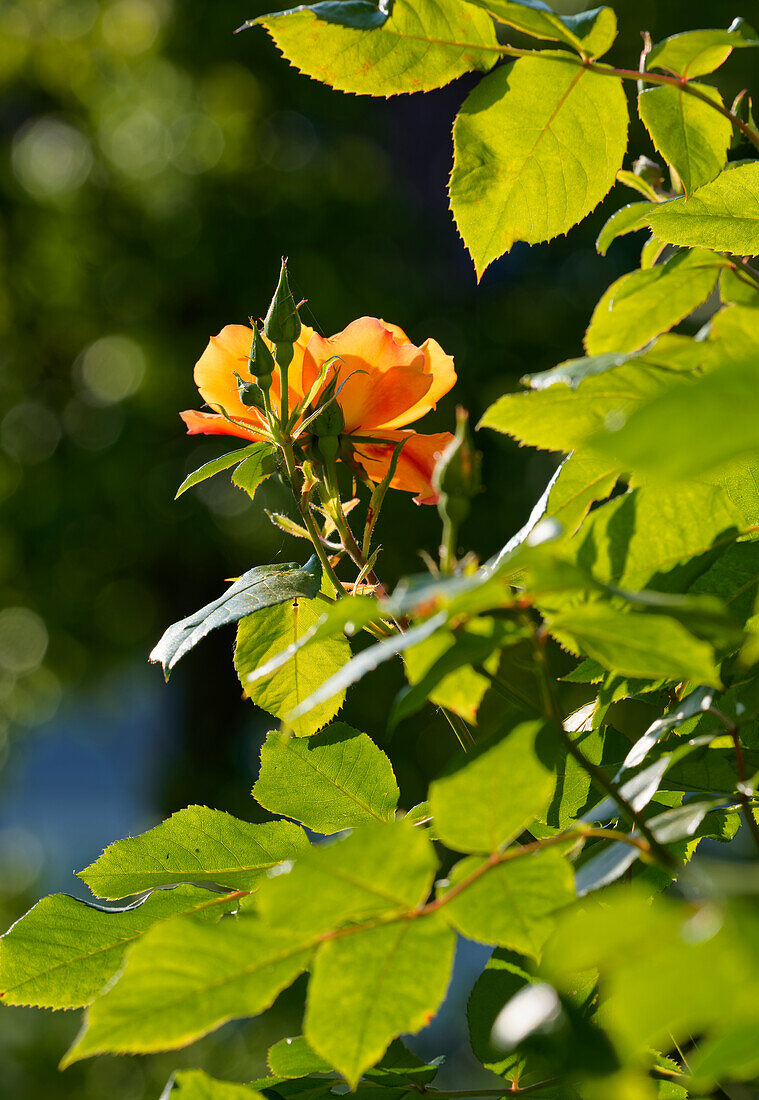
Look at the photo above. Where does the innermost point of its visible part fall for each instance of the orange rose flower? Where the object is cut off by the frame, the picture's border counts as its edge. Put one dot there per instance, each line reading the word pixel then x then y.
pixel 385 383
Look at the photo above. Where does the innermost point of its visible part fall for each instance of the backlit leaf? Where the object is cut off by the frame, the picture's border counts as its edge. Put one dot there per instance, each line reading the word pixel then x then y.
pixel 695 53
pixel 367 988
pixel 216 465
pixel 358 48
pixel 494 792
pixel 195 1084
pixel 377 869
pixel 511 904
pixel 194 845
pixel 723 214
pixel 63 951
pixel 260 637
pixel 537 145
pixel 645 303
pixel 626 220
pixel 184 979
pixel 689 134
pixel 590 32
pixel 334 780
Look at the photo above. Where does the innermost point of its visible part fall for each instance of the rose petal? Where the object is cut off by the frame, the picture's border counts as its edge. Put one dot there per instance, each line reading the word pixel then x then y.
pixel 415 463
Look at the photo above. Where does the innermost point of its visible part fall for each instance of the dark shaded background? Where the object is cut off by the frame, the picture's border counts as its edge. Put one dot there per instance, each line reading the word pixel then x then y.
pixel 154 170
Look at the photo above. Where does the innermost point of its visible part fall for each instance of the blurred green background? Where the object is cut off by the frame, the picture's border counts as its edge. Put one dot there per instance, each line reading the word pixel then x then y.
pixel 154 169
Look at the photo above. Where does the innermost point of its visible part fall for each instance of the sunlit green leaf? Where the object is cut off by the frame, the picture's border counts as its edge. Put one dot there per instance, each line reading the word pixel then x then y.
pixel 63 951
pixel 367 988
pixel 195 1084
pixel 494 792
pixel 184 979
pixel 334 780
pixel 590 32
pixel 262 636
pixel 511 904
pixel 537 145
pixel 357 48
pixel 378 869
pixel 626 220
pixel 723 214
pixel 689 134
pixel 643 304
pixel 194 845
pixel 694 53
pixel 216 465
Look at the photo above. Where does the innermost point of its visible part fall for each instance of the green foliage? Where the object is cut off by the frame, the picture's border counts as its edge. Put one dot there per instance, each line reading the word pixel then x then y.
pixel 261 637
pixel 512 182
pixel 645 303
pixel 224 462
pixel 418 47
pixel 186 978
pixel 639 558
pixel 723 214
pixel 470 812
pixel 193 845
pixel 512 904
pixel 333 781
pixel 404 972
pixel 261 587
pixel 689 134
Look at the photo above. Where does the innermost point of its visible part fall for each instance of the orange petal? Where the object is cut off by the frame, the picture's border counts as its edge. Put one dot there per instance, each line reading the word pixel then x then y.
pixel 441 371
pixel 380 376
pixel 228 352
pixel 202 423
pixel 415 463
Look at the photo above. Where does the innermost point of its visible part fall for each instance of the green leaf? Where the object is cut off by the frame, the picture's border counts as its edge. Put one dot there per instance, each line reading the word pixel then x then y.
pixel 503 976
pixel 689 134
pixel 255 469
pixel 645 303
pixel 494 793
pixel 356 48
pixel 63 951
pixel 439 669
pixel 261 587
pixel 368 988
pixel 399 1066
pixel 194 845
pixel 723 214
pixel 639 184
pixel 377 870
pixel 216 465
pixel 658 537
pixel 511 905
pixel 626 220
pixel 651 647
pixel 294 1058
pixel 591 33
pixel 185 978
pixel 263 636
pixel 195 1084
pixel 562 416
pixel 695 53
pixel 720 410
pixel 332 781
pixel 583 481
pixel 731 1055
pixel 367 661
pixel 537 145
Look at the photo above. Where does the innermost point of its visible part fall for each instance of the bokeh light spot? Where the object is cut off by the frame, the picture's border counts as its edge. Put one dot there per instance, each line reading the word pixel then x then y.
pixel 50 157
pixel 23 640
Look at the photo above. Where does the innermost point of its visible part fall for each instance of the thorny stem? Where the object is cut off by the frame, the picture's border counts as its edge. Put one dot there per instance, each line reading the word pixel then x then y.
pixel 743 797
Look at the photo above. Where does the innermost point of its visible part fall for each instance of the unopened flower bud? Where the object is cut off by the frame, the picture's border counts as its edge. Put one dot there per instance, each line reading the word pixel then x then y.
pixel 649 171
pixel 250 392
pixel 282 323
pixel 457 473
pixel 260 360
